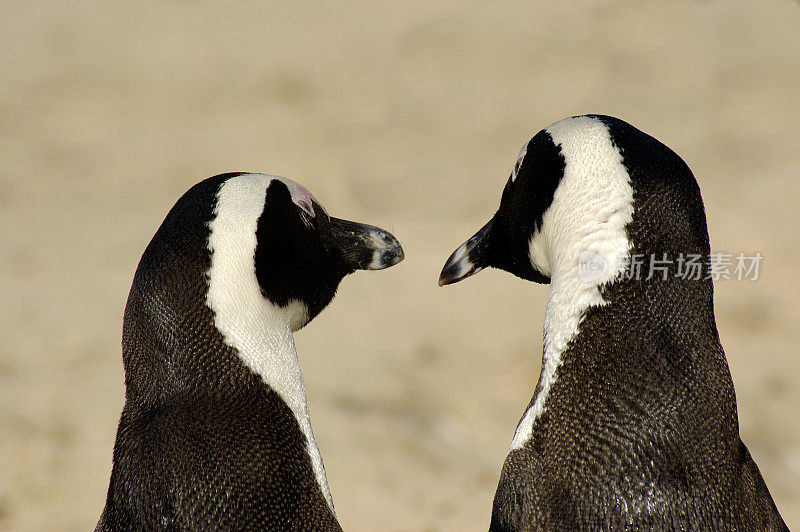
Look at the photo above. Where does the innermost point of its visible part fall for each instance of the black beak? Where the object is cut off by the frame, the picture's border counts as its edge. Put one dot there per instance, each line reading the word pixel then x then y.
pixel 365 247
pixel 470 258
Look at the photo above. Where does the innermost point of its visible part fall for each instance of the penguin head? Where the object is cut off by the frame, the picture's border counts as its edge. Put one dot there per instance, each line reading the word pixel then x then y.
pixel 294 250
pixel 504 241
pixel 587 187
pixel 240 263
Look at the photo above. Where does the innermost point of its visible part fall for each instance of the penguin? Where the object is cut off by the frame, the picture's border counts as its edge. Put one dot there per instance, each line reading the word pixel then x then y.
pixel 215 430
pixel 633 422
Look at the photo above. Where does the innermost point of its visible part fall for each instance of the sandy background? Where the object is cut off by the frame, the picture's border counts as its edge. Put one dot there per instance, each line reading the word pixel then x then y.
pixel 407 116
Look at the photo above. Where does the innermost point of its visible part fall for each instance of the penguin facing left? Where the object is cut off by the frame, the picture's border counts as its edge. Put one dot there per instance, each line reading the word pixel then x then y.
pixel 215 431
pixel 633 422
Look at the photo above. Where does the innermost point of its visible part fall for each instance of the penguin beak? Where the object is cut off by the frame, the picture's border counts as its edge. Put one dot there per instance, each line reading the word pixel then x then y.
pixel 365 247
pixel 470 258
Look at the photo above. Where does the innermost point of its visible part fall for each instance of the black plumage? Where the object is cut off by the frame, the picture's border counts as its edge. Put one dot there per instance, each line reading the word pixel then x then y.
pixel 640 428
pixel 203 442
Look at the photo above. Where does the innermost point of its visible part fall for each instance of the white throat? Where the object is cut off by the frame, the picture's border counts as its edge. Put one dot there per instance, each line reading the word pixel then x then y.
pixel 260 331
pixel 582 243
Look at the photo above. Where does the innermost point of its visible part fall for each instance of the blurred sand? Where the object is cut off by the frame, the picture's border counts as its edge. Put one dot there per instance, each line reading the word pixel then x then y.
pixel 406 117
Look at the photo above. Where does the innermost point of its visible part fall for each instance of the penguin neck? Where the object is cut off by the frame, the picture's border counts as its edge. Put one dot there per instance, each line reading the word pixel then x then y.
pixel 261 334
pixel 263 340
pixel 259 330
pixel 579 249
pixel 573 290
pixel 566 308
pixel 581 299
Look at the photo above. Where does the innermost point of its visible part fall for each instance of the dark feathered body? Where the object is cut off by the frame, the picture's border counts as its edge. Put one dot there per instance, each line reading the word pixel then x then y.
pixel 214 434
pixel 641 430
pixel 639 427
pixel 203 442
pixel 203 463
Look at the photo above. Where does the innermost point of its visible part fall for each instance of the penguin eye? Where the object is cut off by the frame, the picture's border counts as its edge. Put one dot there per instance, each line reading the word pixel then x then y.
pixel 314 216
pixel 305 207
pixel 308 220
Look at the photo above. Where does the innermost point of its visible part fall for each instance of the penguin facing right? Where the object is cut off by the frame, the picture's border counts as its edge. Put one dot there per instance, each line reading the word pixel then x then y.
pixel 215 432
pixel 633 422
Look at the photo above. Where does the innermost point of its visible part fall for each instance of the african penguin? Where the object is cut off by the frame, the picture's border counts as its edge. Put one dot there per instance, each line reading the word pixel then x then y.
pixel 215 431
pixel 633 422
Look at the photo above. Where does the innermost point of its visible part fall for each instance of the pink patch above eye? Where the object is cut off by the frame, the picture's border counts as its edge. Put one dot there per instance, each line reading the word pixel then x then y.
pixel 303 199
pixel 520 157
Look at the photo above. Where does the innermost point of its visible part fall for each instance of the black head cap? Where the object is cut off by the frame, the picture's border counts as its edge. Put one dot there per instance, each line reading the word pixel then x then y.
pixel 503 242
pixel 303 253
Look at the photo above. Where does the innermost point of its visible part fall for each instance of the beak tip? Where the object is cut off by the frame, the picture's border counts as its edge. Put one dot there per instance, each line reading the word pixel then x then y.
pixel 455 270
pixel 365 247
pixel 468 259
pixel 444 280
pixel 386 258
